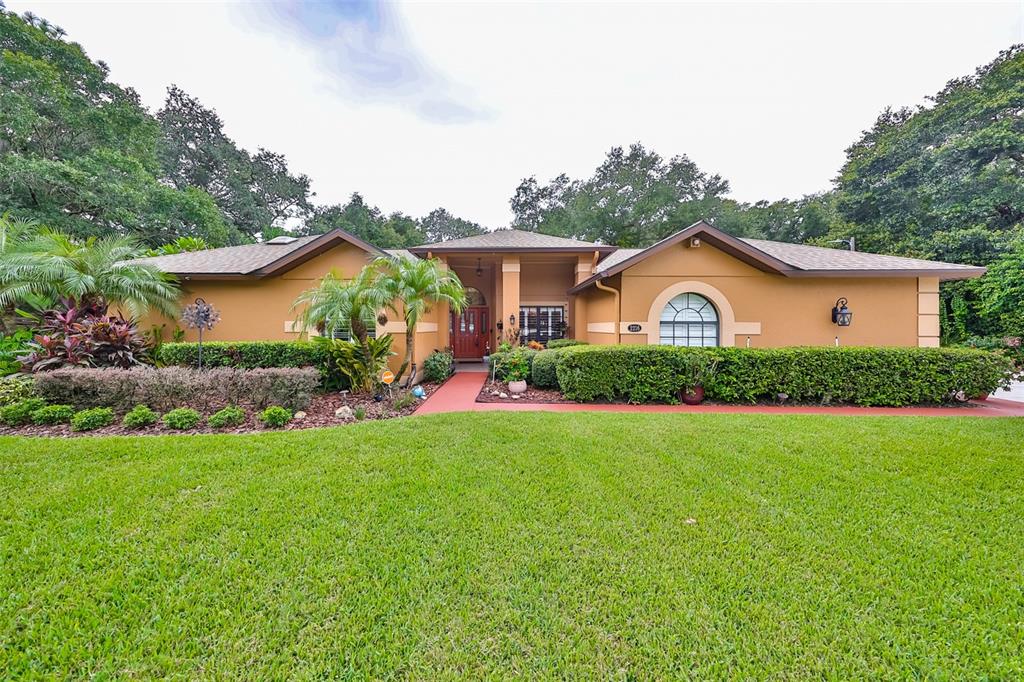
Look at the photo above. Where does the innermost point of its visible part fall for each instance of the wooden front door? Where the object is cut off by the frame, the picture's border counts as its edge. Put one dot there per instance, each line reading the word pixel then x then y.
pixel 470 330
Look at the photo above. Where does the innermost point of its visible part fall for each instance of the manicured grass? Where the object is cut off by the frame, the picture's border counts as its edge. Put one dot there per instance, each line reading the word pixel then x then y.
pixel 521 544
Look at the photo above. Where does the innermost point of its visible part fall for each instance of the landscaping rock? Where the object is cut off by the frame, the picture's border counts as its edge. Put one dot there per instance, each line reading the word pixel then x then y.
pixel 515 396
pixel 299 415
pixel 502 394
pixel 344 412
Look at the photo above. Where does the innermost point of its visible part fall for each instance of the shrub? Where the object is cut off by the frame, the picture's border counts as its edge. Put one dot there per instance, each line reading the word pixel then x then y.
pixel 543 374
pixel 564 343
pixel 182 419
pixel 348 365
pixel 79 337
pixel 139 416
pixel 229 416
pixel 359 413
pixel 92 419
pixel 275 417
pixel 170 387
pixel 437 366
pixel 53 414
pixel 861 376
pixel 20 412
pixel 403 401
pixel 502 360
pixel 16 388
pixel 245 354
pixel 11 347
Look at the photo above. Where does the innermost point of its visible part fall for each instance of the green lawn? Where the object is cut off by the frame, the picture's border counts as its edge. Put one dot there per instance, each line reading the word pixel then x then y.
pixel 534 545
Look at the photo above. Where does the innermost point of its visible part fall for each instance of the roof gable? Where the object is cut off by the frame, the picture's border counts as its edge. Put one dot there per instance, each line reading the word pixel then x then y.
pixel 788 260
pixel 256 260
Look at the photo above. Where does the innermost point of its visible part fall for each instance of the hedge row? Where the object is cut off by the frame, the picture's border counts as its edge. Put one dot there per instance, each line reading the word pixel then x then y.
pixel 860 376
pixel 245 354
pixel 171 387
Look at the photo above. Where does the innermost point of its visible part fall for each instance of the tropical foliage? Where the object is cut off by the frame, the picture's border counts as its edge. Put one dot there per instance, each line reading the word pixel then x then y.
pixel 417 285
pixel 94 272
pixel 355 365
pixel 85 338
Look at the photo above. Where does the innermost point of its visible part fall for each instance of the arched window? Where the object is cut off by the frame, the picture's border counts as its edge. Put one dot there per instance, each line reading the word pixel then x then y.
pixel 689 320
pixel 474 296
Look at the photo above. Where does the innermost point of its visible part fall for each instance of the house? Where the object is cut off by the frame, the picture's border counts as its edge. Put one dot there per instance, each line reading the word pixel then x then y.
pixel 698 287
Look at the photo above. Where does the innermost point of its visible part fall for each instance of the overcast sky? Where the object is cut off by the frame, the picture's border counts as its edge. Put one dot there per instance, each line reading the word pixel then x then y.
pixel 452 104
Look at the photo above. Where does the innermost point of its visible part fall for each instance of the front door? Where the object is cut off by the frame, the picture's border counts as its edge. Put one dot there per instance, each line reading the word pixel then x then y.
pixel 469 332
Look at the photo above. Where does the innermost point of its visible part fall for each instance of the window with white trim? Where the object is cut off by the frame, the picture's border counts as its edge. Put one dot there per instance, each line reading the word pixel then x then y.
pixel 344 330
pixel 541 323
pixel 689 320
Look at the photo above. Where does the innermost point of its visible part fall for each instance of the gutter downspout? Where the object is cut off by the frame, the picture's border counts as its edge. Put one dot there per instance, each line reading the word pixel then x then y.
pixel 618 312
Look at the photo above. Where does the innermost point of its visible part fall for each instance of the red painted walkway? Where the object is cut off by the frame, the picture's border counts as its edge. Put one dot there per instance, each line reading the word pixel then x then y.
pixel 459 395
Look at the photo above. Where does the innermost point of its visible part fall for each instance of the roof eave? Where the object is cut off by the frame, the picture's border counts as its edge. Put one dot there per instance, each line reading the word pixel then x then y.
pixel 942 273
pixel 422 250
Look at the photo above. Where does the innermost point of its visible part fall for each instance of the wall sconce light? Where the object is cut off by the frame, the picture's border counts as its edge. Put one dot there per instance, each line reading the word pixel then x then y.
pixel 512 320
pixel 479 268
pixel 841 314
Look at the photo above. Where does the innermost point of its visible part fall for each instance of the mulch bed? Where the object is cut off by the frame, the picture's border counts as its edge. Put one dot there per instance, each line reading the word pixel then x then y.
pixel 320 413
pixel 490 393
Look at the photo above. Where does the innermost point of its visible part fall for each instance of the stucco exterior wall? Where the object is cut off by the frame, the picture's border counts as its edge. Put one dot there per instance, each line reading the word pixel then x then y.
pixel 260 309
pixel 767 309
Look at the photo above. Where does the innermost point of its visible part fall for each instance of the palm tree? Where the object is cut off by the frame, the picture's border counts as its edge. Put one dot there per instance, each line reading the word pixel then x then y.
pixel 337 302
pixel 96 273
pixel 418 284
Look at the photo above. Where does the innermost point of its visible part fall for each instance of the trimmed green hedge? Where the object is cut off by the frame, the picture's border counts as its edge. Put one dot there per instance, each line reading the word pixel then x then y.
pixel 245 354
pixel 564 343
pixel 543 373
pixel 852 375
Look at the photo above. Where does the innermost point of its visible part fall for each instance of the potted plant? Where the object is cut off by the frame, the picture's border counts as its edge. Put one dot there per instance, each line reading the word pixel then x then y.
pixel 517 368
pixel 697 369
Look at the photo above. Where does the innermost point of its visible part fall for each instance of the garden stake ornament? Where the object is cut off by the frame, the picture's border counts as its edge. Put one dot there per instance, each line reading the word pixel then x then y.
pixel 200 315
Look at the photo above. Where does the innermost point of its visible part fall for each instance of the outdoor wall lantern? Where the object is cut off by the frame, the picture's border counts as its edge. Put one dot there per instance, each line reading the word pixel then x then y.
pixel 512 320
pixel 479 268
pixel 841 314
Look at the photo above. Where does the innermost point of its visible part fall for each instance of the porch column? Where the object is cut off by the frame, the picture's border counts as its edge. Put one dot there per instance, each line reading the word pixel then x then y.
pixel 509 291
pixel 578 303
pixel 443 315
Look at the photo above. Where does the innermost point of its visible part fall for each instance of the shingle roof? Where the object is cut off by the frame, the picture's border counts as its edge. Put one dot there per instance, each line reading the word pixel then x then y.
pixel 789 260
pixel 261 259
pixel 234 260
pixel 512 240
pixel 806 257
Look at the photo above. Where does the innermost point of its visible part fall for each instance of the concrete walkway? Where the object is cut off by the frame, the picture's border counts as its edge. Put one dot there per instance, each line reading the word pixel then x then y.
pixel 459 395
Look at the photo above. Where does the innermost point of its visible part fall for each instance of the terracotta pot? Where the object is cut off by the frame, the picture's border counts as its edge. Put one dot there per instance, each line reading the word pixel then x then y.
pixel 693 395
pixel 517 386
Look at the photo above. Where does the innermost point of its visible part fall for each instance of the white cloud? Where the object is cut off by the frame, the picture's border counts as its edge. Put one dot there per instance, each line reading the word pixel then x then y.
pixel 768 95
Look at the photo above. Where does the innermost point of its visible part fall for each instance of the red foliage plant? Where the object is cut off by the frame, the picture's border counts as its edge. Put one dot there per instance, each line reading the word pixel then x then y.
pixel 78 337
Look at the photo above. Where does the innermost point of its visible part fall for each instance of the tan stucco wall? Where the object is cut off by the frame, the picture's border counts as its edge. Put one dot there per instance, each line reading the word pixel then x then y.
pixel 260 309
pixel 770 310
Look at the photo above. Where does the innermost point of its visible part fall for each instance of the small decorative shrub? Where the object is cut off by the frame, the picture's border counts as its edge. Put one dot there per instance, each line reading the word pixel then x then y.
pixel 182 419
pixel 564 343
pixel 11 347
pixel 359 413
pixel 139 416
pixel 403 401
pixel 275 417
pixel 229 416
pixel 92 419
pixel 503 360
pixel 349 367
pixel 535 345
pixel 437 366
pixel 16 388
pixel 166 388
pixel 20 412
pixel 517 365
pixel 53 414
